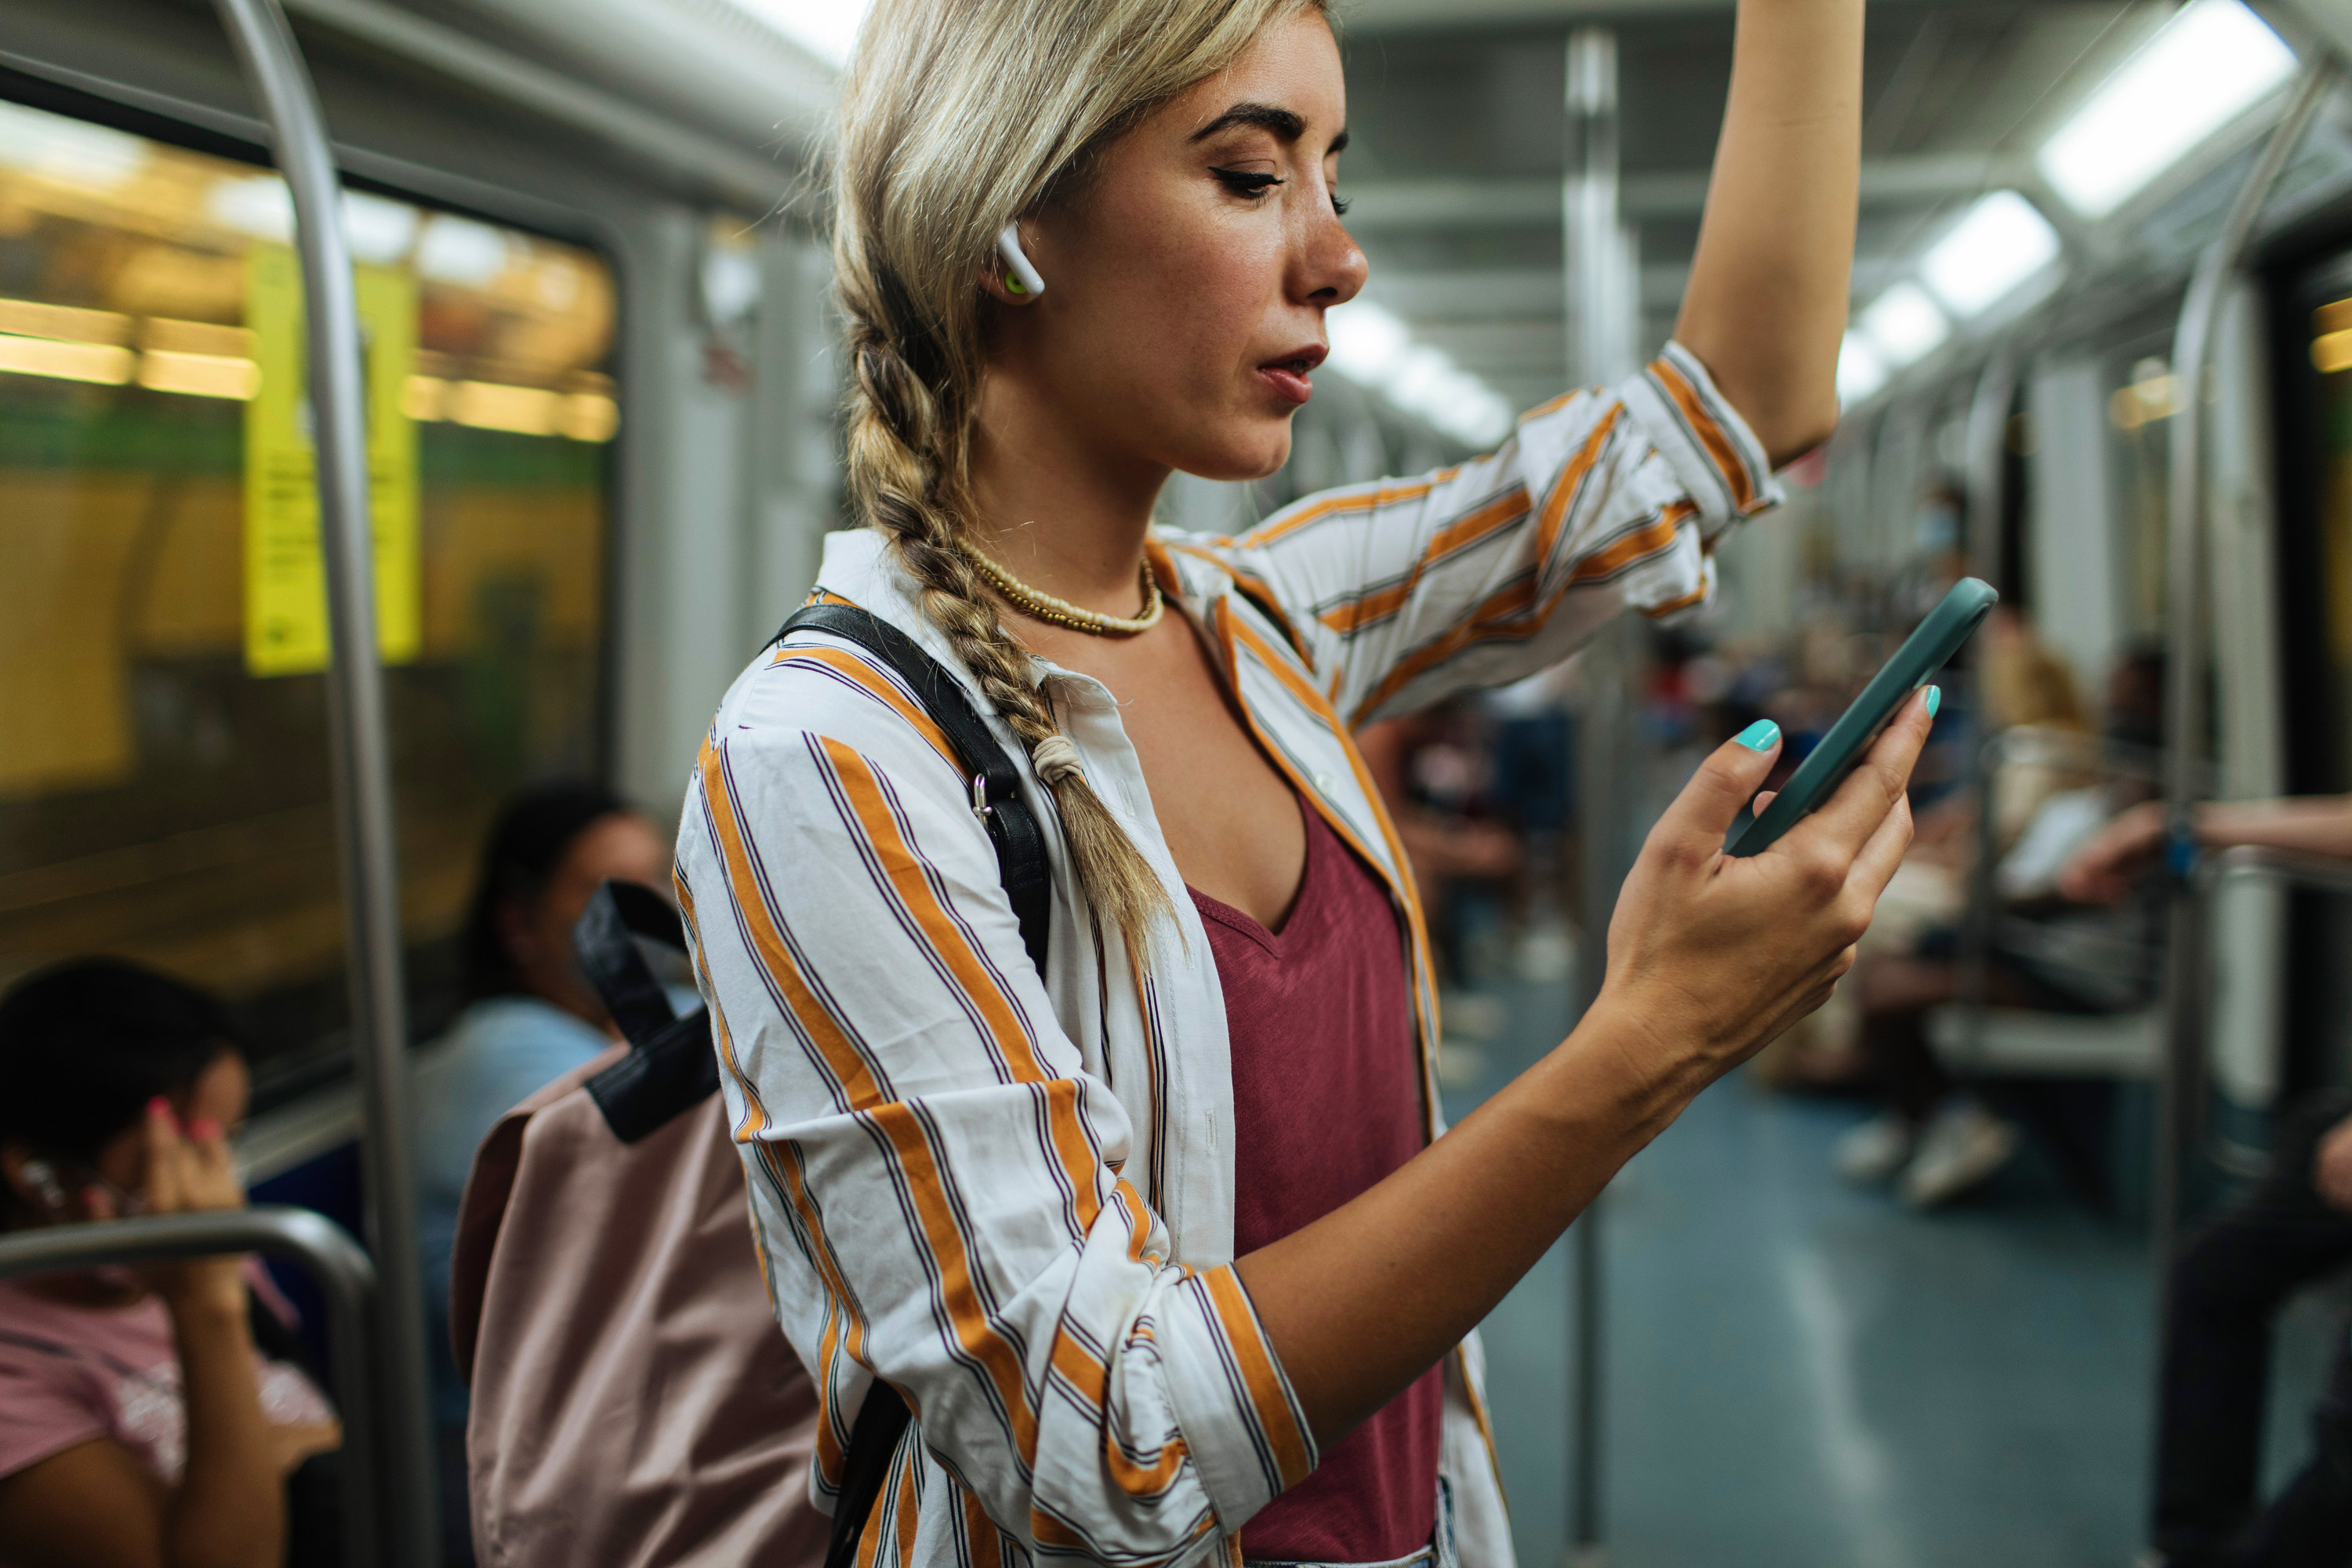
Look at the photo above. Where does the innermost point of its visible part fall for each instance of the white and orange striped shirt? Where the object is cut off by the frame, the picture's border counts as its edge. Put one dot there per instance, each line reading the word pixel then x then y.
pixel 1011 1193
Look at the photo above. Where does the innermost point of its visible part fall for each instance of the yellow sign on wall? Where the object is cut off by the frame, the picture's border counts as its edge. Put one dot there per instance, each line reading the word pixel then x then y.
pixel 285 574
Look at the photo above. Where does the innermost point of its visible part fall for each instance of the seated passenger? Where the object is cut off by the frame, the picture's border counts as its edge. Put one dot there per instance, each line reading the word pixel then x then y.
pixel 2232 1279
pixel 2225 1291
pixel 1938 1139
pixel 140 1423
pixel 2103 870
pixel 534 1018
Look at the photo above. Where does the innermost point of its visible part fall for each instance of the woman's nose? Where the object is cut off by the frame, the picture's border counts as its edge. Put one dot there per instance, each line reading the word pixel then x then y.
pixel 1335 268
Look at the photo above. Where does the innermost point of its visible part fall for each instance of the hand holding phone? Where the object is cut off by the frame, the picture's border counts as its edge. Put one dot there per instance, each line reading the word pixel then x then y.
pixel 1922 653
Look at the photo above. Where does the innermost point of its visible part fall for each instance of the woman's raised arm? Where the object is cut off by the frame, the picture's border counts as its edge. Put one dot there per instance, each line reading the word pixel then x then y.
pixel 1766 305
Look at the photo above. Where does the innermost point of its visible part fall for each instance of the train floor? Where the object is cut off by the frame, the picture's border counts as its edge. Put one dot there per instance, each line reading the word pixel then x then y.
pixel 1800 1373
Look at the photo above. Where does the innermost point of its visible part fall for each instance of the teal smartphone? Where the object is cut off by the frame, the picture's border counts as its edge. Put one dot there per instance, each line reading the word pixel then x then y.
pixel 1922 653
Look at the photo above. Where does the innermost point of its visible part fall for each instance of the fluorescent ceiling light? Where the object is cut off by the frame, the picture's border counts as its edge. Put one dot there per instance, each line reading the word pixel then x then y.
pixel 825 29
pixel 1905 325
pixel 2213 61
pixel 1371 347
pixel 105 364
pixel 1859 371
pixel 1998 244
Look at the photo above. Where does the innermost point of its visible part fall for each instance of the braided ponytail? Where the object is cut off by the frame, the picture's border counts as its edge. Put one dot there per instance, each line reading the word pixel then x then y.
pixel 895 480
pixel 959 115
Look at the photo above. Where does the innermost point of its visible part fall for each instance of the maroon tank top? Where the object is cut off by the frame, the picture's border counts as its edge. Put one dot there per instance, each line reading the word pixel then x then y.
pixel 1327 1100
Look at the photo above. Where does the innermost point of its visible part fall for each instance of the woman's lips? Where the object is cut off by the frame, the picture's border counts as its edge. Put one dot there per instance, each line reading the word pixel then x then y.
pixel 1288 383
pixel 1287 375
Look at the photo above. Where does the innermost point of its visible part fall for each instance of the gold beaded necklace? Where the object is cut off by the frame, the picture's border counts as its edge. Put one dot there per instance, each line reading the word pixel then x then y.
pixel 1061 612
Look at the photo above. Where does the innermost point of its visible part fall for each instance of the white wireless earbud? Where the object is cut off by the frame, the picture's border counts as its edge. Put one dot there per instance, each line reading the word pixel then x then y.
pixel 1024 278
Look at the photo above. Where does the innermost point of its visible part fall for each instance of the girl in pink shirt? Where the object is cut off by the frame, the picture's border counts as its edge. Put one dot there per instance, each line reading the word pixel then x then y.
pixel 139 1422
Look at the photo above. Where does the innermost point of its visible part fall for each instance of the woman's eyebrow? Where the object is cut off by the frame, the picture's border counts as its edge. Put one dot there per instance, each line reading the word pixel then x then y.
pixel 1286 125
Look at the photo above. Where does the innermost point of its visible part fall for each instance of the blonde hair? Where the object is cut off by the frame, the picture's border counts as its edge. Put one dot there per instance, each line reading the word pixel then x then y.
pixel 960 116
pixel 2028 683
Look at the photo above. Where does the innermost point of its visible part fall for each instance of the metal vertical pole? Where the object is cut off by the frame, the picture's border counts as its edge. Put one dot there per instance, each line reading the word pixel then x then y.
pixel 1988 470
pixel 1603 318
pixel 2181 1090
pixel 360 747
pixel 1988 465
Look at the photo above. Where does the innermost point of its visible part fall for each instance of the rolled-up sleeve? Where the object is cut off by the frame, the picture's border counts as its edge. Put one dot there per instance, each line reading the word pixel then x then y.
pixel 936 1181
pixel 1403 591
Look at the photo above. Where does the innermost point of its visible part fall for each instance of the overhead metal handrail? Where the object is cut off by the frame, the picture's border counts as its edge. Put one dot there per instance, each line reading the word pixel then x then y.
pixel 2314 873
pixel 360 744
pixel 2188 1068
pixel 345 1278
pixel 2185 546
pixel 2194 984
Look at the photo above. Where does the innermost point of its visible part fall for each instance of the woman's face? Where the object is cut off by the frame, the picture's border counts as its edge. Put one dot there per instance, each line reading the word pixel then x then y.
pixel 218 1095
pixel 622 848
pixel 109 1183
pixel 1185 285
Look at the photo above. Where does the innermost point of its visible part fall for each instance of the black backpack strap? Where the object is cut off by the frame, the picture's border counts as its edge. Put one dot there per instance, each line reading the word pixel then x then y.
pixel 1021 867
pixel 873 1442
pixel 618 912
pixel 995 785
pixel 672 1068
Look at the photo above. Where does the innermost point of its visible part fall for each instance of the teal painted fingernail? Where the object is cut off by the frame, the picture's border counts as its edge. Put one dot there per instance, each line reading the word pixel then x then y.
pixel 1934 699
pixel 1758 736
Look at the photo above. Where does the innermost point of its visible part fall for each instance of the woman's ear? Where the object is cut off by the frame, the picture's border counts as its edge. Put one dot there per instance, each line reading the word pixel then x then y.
pixel 1012 279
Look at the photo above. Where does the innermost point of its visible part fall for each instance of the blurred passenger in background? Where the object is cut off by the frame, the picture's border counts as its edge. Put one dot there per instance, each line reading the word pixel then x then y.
pixel 2232 1279
pixel 1432 769
pixel 2105 867
pixel 155 1417
pixel 533 1017
pixel 1937 1138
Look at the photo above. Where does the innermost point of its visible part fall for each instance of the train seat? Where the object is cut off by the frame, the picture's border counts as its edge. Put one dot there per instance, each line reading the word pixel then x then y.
pixel 2020 1043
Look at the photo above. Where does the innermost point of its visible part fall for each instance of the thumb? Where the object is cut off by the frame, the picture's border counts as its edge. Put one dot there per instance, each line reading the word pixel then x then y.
pixel 1707 807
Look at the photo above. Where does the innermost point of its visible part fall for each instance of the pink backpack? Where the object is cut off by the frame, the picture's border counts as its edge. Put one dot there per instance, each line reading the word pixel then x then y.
pixel 634 1404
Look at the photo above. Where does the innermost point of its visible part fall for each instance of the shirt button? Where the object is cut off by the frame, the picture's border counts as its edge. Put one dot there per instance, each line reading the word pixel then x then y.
pixel 1326 784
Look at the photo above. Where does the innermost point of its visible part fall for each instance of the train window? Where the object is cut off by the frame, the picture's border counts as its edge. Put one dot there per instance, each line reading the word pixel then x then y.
pixel 164 766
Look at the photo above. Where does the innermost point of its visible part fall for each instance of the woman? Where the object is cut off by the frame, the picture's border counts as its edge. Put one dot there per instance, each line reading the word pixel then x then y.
pixel 1160 1245
pixel 139 1423
pixel 533 1017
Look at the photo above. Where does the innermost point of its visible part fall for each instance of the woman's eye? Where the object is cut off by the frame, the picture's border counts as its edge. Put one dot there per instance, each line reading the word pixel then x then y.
pixel 1340 204
pixel 1242 181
